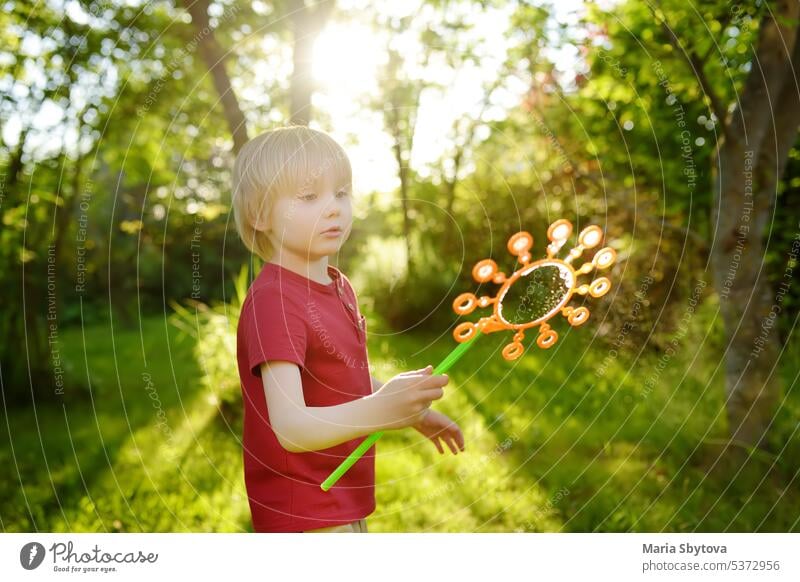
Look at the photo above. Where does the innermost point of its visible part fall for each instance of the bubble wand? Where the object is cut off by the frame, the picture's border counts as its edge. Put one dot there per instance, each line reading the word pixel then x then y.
pixel 552 283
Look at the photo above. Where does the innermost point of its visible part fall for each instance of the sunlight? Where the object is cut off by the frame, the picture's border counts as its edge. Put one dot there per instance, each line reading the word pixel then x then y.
pixel 347 55
pixel 349 59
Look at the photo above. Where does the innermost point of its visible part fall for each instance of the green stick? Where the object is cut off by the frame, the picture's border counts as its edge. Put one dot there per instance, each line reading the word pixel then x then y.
pixel 445 365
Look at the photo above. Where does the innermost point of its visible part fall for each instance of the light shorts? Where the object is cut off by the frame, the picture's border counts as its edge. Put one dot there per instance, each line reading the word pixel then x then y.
pixel 359 526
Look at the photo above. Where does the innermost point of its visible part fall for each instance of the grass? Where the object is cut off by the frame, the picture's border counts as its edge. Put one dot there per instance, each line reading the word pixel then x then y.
pixel 554 447
pixel 108 460
pixel 148 440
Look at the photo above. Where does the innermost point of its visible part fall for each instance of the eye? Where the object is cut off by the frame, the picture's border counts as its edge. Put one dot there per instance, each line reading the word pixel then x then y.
pixel 308 197
pixel 342 193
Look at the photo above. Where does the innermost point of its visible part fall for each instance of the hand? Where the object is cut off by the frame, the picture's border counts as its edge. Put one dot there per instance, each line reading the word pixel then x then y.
pixel 405 398
pixel 435 426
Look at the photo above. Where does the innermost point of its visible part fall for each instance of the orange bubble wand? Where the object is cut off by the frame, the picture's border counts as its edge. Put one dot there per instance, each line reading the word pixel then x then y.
pixel 556 277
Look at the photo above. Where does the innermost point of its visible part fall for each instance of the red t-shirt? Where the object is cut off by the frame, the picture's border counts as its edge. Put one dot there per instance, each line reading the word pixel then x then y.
pixel 319 327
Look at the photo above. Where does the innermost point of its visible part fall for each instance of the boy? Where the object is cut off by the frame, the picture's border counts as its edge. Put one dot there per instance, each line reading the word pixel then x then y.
pixel 308 396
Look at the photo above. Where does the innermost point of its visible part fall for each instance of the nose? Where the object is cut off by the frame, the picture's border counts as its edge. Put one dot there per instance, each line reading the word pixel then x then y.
pixel 333 208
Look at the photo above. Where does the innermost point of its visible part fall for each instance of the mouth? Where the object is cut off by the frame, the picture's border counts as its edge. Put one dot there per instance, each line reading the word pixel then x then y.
pixel 332 232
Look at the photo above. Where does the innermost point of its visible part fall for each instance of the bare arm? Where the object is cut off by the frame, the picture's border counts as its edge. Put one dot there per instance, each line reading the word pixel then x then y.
pixel 399 403
pixel 376 384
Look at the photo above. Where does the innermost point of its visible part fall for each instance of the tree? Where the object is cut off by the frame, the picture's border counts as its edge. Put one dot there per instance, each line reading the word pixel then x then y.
pixel 734 68
pixel 757 132
pixel 215 58
pixel 757 136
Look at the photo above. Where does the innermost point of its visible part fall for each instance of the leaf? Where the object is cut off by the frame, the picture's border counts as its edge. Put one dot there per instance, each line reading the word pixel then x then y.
pixel 131 226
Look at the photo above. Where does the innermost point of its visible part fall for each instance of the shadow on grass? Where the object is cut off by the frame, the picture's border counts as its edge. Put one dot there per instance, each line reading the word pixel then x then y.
pixel 603 458
pixel 118 456
pixel 551 446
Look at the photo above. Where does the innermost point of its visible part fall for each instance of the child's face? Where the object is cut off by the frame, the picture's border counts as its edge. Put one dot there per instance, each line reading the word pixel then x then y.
pixel 298 220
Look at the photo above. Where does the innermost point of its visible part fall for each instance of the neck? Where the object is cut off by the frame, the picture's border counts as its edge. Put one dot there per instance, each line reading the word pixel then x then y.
pixel 316 270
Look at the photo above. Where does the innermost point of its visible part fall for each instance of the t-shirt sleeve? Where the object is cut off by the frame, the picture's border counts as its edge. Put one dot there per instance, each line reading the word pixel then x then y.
pixel 275 329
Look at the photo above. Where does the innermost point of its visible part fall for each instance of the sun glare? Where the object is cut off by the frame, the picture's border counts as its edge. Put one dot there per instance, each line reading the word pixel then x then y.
pixel 347 56
pixel 349 59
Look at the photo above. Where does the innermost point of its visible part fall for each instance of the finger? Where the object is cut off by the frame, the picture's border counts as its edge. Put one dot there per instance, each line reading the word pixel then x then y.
pixel 436 381
pixel 426 370
pixel 432 394
pixel 449 440
pixel 435 441
pixel 459 437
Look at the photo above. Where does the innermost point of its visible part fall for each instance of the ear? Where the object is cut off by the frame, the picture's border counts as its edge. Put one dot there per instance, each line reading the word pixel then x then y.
pixel 262 221
pixel 262 224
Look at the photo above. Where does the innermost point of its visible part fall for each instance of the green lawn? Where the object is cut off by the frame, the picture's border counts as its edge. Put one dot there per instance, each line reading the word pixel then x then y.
pixel 551 445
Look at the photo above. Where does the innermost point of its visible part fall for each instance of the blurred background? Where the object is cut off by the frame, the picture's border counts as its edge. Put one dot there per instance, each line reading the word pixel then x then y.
pixel 672 125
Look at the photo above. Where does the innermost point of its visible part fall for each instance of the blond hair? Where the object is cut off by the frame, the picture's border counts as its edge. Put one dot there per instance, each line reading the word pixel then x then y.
pixel 283 160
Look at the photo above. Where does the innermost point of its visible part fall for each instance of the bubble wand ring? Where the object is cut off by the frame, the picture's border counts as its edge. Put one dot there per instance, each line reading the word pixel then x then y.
pixel 486 271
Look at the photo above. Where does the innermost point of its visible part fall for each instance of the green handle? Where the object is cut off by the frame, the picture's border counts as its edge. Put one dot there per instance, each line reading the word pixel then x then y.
pixel 359 451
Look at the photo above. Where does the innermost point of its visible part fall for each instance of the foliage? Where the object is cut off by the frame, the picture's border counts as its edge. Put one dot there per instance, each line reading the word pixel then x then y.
pixel 123 279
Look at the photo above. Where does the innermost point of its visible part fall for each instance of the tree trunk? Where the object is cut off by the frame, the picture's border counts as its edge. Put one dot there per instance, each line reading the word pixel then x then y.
pixel 400 106
pixel 403 175
pixel 750 159
pixel 214 58
pixel 451 224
